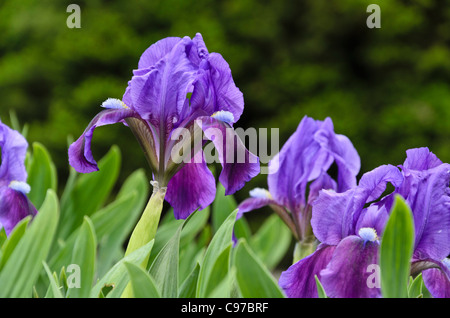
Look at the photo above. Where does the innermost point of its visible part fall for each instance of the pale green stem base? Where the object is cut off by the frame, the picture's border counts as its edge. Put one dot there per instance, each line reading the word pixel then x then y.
pixel 304 248
pixel 145 229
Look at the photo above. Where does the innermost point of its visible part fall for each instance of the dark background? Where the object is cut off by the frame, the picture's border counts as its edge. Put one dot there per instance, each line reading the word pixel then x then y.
pixel 386 89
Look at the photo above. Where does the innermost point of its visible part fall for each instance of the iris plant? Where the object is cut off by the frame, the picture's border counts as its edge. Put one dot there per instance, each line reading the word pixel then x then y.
pixel 350 225
pixel 299 171
pixel 178 87
pixel 14 203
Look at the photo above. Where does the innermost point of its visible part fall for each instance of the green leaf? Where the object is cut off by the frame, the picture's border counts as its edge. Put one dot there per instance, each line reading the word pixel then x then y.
pixel 117 277
pixel 272 241
pixel 164 268
pixel 320 290
pixel 41 174
pixel 253 277
pixel 415 287
pixel 220 241
pixel 189 286
pixel 222 206
pixel 54 288
pixel 25 263
pixel 396 251
pixel 142 283
pixel 89 192
pixel 14 238
pixel 84 253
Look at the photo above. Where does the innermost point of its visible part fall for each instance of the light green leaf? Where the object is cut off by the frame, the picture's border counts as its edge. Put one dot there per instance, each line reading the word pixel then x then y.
pixel 415 287
pixel 84 253
pixel 164 268
pixel 117 277
pixel 271 241
pixel 89 193
pixel 253 277
pixel 25 263
pixel 142 283
pixel 396 251
pixel 41 174
pixel 189 286
pixel 320 290
pixel 53 288
pixel 14 238
pixel 220 242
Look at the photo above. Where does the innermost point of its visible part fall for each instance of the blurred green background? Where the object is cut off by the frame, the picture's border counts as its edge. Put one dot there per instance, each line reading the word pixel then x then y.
pixel 386 89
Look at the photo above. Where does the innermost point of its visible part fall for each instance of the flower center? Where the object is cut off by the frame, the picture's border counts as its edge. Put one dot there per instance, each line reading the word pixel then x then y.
pixel 368 234
pixel 224 116
pixel 20 186
pixel 114 103
pixel 260 193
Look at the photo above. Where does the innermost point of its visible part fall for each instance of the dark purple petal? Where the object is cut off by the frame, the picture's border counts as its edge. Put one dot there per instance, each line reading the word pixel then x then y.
pixel 80 154
pixel 298 281
pixel 259 198
pixel 437 280
pixel 14 206
pixel 428 194
pixel 192 187
pixel 347 274
pixel 14 149
pixel 238 164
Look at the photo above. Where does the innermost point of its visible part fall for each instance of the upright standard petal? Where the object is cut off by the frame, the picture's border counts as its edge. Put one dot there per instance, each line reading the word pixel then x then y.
pixel 14 149
pixel 298 281
pixel 238 164
pixel 428 194
pixel 192 187
pixel 80 153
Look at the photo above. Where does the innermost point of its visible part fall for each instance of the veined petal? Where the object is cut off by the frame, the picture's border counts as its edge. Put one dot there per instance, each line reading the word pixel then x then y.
pixel 298 281
pixel 299 161
pixel 238 164
pixel 343 152
pixel 14 206
pixel 192 187
pixel 14 149
pixel 80 154
pixel 428 194
pixel 347 274
pixel 437 280
pixel 214 88
pixel 335 215
pixel 157 51
pixel 421 159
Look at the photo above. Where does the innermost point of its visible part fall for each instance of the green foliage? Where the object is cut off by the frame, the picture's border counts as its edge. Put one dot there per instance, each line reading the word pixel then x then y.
pixel 289 58
pixel 396 251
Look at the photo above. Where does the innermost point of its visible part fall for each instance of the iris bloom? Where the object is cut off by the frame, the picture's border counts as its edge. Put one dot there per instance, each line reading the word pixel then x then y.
pixel 14 203
pixel 350 226
pixel 300 170
pixel 179 86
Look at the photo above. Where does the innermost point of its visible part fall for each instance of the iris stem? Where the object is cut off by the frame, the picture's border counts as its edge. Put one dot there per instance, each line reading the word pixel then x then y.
pixel 146 228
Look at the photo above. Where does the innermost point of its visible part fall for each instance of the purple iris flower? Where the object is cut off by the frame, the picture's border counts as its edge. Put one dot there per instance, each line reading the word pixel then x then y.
pixel 14 203
pixel 179 86
pixel 300 170
pixel 350 225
